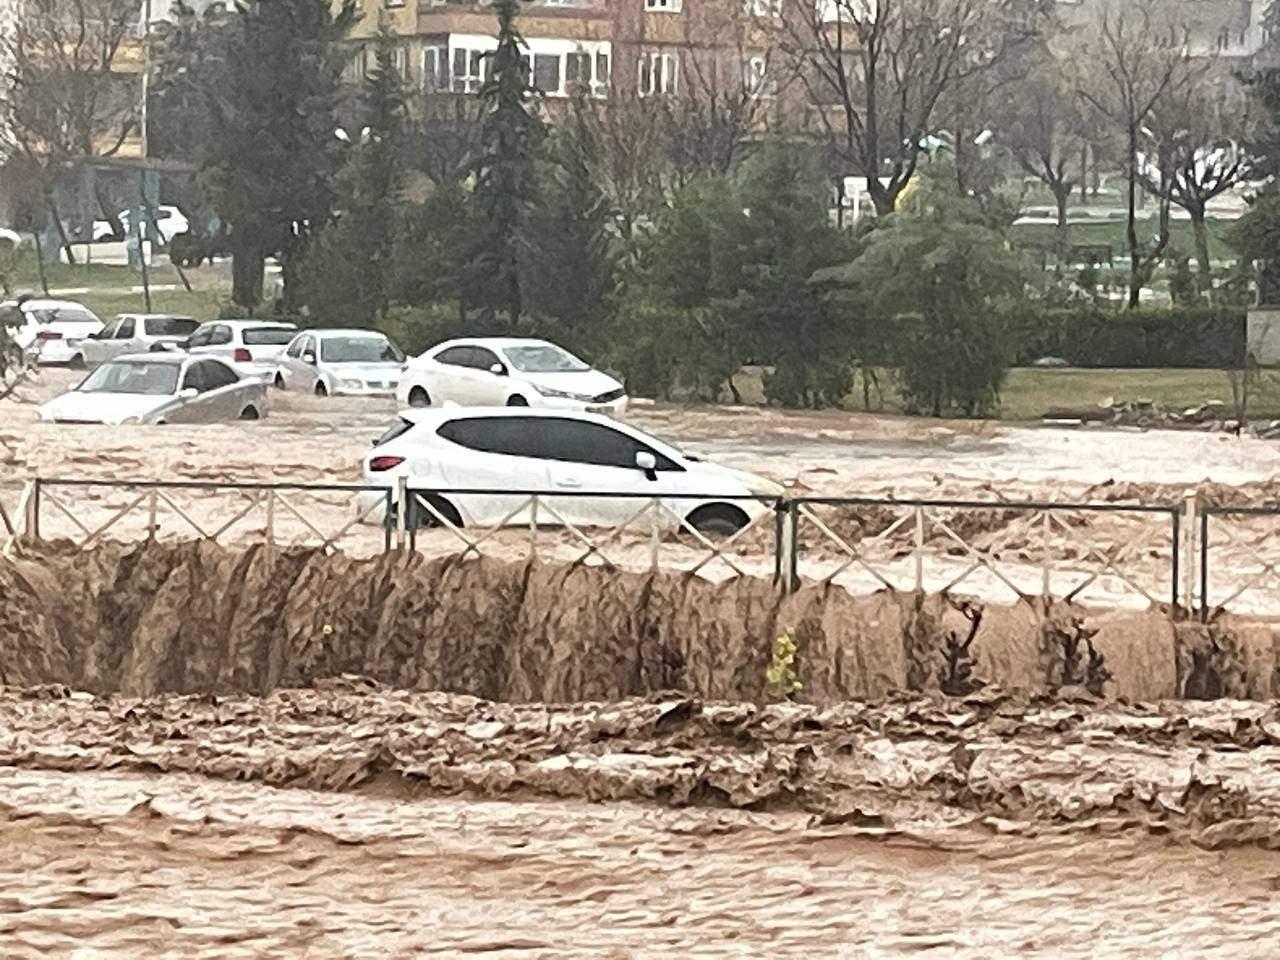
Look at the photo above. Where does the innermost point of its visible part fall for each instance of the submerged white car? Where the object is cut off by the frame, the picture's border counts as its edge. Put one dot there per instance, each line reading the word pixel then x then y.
pixel 160 388
pixel 497 371
pixel 133 333
pixel 51 330
pixel 341 362
pixel 252 347
pixel 577 459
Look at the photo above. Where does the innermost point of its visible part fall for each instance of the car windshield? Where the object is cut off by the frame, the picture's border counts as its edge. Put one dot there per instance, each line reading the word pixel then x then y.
pixel 170 326
pixel 544 358
pixel 133 376
pixel 268 336
pixel 359 350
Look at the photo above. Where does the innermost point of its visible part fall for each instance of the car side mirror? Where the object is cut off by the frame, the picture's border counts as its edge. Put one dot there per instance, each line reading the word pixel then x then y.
pixel 647 462
pixel 498 370
pixel 309 359
pixel 186 393
pixel 184 344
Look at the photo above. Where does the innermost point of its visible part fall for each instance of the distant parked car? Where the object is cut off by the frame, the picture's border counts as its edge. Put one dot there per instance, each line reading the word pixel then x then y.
pixel 563 452
pixel 335 362
pixel 133 333
pixel 11 237
pixel 160 388
pixel 1050 362
pixel 253 347
pixel 507 372
pixel 51 328
pixel 169 221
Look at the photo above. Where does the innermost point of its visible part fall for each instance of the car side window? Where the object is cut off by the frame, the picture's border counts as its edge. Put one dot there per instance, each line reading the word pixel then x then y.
pixel 220 335
pixel 201 337
pixel 455 356
pixel 194 377
pixel 295 348
pixel 483 359
pixel 125 330
pixel 506 435
pixel 577 441
pixel 218 375
pixel 109 332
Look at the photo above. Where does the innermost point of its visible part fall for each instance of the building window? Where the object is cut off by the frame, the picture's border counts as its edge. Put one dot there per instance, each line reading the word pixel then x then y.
pixel 762 8
pixel 435 67
pixel 400 61
pixel 468 70
pixel 662 6
pixel 659 74
pixel 357 67
pixel 545 68
pixel 585 72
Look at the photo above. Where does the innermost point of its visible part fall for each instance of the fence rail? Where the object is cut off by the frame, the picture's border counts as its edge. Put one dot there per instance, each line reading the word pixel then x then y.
pixel 1111 554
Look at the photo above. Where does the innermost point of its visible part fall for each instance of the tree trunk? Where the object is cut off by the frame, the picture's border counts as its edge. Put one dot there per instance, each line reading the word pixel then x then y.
pixel 1201 233
pixel 246 272
pixel 109 215
pixel 63 240
pixel 1131 227
pixel 1062 194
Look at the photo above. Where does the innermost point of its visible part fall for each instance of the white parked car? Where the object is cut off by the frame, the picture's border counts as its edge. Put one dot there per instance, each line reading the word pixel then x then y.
pixel 50 328
pixel 133 333
pixel 341 362
pixel 567 454
pixel 253 347
pixel 160 388
pixel 495 372
pixel 169 221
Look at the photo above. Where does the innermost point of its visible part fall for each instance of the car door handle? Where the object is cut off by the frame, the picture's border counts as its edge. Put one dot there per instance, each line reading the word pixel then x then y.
pixel 568 482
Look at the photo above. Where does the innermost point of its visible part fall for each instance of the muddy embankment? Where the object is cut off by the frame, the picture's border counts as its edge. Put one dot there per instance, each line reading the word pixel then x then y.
pixel 150 618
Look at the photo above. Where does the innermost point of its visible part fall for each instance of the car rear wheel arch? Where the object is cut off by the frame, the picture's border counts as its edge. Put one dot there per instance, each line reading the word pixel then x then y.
pixel 419 516
pixel 517 400
pixel 720 519
pixel 250 413
pixel 321 389
pixel 418 397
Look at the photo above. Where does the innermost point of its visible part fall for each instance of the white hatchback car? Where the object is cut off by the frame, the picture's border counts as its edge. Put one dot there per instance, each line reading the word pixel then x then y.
pixel 582 461
pixel 495 372
pixel 50 329
pixel 133 333
pixel 341 362
pixel 252 347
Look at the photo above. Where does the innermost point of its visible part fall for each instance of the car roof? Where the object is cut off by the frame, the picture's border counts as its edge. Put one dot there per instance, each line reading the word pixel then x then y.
pixel 434 416
pixel 493 342
pixel 156 357
pixel 48 304
pixel 151 316
pixel 323 332
pixel 241 324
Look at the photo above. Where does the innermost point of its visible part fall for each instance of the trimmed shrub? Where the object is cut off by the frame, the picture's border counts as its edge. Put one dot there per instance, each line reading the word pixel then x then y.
pixel 1094 336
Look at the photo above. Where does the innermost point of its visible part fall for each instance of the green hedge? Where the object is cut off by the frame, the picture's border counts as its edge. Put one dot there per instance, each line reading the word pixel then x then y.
pixel 1092 336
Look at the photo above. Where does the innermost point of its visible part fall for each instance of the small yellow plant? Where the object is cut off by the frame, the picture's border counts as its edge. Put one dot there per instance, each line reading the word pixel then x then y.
pixel 780 679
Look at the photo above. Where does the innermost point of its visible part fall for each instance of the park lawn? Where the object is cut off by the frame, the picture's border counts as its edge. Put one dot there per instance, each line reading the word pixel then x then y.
pixel 1030 392
pixel 1112 233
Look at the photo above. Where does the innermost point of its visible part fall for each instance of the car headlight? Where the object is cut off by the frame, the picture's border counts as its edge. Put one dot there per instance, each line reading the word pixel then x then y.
pixel 351 385
pixel 564 394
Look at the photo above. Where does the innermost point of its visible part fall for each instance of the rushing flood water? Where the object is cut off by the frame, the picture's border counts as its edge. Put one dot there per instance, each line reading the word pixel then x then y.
pixel 453 827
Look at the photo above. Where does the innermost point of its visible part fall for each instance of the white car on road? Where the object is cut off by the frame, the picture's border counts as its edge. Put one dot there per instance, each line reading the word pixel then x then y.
pixel 133 333
pixel 169 221
pixel 252 347
pixel 160 388
pixel 49 329
pixel 341 362
pixel 495 372
pixel 582 461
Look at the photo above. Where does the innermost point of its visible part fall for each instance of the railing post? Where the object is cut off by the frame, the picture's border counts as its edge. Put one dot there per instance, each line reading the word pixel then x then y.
pixel 1189 561
pixel 32 520
pixel 655 545
pixel 387 507
pixel 533 526
pixel 270 530
pixel 153 505
pixel 787 554
pixel 1046 557
pixel 402 511
pixel 919 552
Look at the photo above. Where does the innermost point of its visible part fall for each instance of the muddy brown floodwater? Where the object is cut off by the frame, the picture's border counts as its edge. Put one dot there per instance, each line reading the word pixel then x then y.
pixel 354 821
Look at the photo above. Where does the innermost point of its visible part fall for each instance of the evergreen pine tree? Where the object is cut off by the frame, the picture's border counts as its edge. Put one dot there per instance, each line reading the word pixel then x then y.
pixel 511 133
pixel 566 256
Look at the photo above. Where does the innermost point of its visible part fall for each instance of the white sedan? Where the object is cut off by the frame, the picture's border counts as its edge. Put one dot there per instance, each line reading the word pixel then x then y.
pixel 160 388
pixel 578 459
pixel 341 362
pixel 49 330
pixel 496 371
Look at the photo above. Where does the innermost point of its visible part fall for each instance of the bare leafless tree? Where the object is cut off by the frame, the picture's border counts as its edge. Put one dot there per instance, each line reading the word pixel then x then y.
pixel 63 95
pixel 1141 61
pixel 632 133
pixel 1045 127
pixel 1196 136
pixel 875 72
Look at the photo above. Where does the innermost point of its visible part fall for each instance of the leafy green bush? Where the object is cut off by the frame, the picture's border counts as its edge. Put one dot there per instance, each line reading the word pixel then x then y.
pixel 1090 335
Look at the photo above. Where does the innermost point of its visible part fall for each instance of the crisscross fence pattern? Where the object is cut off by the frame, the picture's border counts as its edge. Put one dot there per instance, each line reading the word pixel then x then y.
pixel 1178 556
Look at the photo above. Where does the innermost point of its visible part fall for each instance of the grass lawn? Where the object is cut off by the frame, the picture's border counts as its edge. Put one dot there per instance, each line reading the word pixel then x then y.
pixel 1030 392
pixel 1113 234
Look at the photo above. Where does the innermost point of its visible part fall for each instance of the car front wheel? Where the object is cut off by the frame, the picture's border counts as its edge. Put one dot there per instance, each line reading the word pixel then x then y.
pixel 321 389
pixel 517 401
pixel 718 519
pixel 419 398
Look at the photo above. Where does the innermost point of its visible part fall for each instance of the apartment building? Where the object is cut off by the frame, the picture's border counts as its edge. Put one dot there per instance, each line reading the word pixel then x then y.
pixel 1228 29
